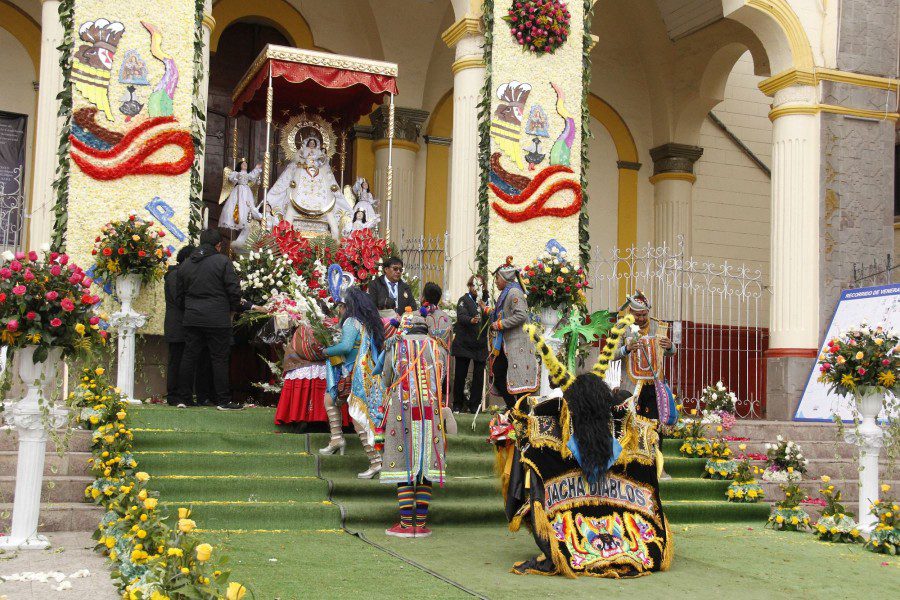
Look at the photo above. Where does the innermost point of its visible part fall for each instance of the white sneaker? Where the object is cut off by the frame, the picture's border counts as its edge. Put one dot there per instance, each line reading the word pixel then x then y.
pixel 181 405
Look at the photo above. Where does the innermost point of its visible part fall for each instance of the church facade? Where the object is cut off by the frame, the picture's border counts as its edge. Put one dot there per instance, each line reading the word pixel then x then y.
pixel 757 132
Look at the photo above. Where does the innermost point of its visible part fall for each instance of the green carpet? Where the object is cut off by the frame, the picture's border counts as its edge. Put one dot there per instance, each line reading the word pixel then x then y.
pixel 256 493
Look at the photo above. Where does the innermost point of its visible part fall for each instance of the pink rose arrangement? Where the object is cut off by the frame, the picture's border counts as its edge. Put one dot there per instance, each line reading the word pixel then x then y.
pixel 45 301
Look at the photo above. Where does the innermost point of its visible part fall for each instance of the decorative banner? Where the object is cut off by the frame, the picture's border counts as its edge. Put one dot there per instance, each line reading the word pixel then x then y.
pixel 13 129
pixel 131 143
pixel 873 305
pixel 533 149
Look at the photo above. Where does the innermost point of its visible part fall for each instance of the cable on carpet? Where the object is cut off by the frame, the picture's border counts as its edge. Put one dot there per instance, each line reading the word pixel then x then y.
pixel 361 536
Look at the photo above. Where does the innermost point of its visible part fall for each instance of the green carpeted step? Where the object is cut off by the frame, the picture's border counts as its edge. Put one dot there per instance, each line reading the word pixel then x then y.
pixel 692 488
pixel 709 511
pixel 181 488
pixel 678 466
pixel 290 515
pixel 458 465
pixel 443 511
pixel 474 489
pixel 202 419
pixel 171 439
pixel 237 463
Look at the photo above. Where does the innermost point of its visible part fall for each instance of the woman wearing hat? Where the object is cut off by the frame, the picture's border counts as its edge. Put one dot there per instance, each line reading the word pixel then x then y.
pixel 513 366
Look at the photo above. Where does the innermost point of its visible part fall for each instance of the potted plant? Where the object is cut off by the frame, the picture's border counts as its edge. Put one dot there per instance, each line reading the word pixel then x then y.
pixel 835 524
pixel 784 462
pixel 787 515
pixel 129 252
pixel 718 405
pixel 885 536
pixel 744 487
pixel 46 311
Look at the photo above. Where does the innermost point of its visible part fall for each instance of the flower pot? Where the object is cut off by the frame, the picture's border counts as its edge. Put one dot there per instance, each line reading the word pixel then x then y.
pixel 127 289
pixel 26 416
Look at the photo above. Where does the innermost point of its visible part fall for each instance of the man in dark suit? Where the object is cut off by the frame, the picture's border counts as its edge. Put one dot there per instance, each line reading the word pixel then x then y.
pixel 470 345
pixel 391 288
pixel 208 291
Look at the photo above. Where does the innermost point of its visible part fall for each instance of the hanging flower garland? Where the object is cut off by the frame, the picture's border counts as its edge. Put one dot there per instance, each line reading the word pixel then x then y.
pixel 539 26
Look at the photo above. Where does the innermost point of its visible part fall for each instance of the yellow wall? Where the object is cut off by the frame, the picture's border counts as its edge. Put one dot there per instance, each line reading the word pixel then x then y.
pixel 437 168
pixel 364 156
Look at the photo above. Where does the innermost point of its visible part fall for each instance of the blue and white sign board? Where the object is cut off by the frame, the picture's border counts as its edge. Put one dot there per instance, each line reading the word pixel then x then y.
pixel 874 306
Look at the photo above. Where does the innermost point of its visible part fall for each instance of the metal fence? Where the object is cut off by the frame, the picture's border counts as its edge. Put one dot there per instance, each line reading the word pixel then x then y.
pixel 12 209
pixel 424 258
pixel 715 311
pixel 876 273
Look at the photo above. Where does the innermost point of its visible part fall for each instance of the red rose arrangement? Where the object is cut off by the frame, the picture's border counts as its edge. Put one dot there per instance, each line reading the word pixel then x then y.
pixel 130 247
pixel 539 26
pixel 360 254
pixel 552 281
pixel 306 256
pixel 46 302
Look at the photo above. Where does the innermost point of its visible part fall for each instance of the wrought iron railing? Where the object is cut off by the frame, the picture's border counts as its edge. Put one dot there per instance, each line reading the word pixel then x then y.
pixel 12 210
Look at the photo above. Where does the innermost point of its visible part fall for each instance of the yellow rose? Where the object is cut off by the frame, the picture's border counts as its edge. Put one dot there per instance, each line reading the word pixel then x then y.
pixel 185 570
pixel 109 542
pixel 204 551
pixel 885 487
pixel 186 525
pixel 779 519
pixel 235 591
pixel 175 552
pixel 142 476
pixel 142 495
pixel 120 415
pixel 742 447
pixel 854 532
pixel 794 520
pixel 158 596
pixel 184 513
pixel 99 370
pixel 94 420
pixel 141 534
pixel 826 478
pixel 136 238
pixel 150 503
pixel 546 269
pixel 790 469
pixel 859 355
pixel 878 341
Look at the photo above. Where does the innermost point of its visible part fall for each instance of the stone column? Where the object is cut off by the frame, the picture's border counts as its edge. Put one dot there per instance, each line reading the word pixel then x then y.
pixel 46 139
pixel 794 303
pixel 673 186
pixel 407 128
pixel 466 37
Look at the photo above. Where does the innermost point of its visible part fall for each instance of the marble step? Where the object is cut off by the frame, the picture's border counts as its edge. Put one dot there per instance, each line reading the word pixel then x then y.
pixel 54 488
pixel 72 463
pixel 59 516
pixel 77 440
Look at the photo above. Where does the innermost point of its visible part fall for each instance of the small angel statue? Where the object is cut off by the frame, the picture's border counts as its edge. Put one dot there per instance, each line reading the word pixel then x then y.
pixel 241 203
pixel 363 215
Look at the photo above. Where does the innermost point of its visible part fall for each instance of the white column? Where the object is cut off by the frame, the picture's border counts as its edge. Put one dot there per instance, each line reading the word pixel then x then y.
pixel 46 139
pixel 673 187
pixel 127 321
pixel 462 206
pixel 794 306
pixel 404 192
pixel 27 417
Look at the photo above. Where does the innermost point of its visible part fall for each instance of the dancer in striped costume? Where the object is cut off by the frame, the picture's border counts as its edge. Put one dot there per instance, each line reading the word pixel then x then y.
pixel 412 429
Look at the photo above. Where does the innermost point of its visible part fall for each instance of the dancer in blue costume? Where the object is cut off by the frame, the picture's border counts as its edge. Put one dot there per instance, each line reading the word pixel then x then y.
pixel 356 357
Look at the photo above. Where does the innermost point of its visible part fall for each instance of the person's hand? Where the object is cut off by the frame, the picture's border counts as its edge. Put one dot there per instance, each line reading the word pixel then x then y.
pixel 495 325
pixel 257 166
pixel 665 343
pixel 632 345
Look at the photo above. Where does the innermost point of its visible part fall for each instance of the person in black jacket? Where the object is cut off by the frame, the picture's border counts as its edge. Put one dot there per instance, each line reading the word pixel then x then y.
pixel 389 287
pixel 208 291
pixel 469 345
pixel 173 334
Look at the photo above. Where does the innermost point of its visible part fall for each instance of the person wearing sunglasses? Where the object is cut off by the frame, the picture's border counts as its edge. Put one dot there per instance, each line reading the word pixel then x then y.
pixel 391 289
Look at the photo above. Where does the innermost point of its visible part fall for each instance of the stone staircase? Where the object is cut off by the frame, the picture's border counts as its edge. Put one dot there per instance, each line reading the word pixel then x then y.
pixel 66 475
pixel 827 452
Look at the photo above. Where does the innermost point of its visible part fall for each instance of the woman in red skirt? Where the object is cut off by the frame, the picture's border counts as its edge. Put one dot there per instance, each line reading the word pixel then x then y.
pixel 303 394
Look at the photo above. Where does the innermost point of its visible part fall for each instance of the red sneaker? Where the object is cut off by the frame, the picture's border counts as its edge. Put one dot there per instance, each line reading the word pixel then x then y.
pixel 421 531
pixel 400 531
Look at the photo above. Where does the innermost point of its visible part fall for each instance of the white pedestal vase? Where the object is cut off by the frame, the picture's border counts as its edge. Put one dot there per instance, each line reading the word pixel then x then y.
pixel 127 321
pixel 25 415
pixel 549 318
pixel 869 438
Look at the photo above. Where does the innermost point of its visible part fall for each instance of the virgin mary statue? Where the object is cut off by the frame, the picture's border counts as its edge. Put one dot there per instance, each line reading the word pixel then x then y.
pixel 307 190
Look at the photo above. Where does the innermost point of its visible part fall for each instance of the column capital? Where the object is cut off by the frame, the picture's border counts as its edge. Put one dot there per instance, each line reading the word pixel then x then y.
pixel 467 26
pixel 629 166
pixel 674 158
pixel 209 22
pixel 407 123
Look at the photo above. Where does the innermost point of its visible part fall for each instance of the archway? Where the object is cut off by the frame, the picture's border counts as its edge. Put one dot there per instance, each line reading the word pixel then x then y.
pixel 24 29
pixel 277 14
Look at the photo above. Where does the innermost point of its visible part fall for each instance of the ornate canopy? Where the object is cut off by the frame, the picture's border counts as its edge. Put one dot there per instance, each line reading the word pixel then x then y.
pixel 344 87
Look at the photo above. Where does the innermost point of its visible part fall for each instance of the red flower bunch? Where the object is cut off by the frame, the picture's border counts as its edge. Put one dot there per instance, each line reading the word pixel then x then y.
pixel 552 281
pixel 539 26
pixel 130 247
pixel 303 255
pixel 46 302
pixel 359 254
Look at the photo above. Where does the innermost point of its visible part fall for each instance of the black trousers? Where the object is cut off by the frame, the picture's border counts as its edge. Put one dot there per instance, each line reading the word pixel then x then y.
pixel 203 385
pixel 501 366
pixel 459 384
pixel 215 342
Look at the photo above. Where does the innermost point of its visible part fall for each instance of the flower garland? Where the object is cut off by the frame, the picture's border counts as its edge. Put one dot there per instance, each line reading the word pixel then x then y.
pixel 885 538
pixel 64 114
pixel 584 234
pixel 537 195
pixel 484 140
pixel 151 559
pixel 198 126
pixel 787 515
pixel 539 26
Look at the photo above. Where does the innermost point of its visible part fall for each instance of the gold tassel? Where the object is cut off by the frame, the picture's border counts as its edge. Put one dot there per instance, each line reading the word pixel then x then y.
pixel 565 424
pixel 559 375
pixel 544 529
pixel 612 342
